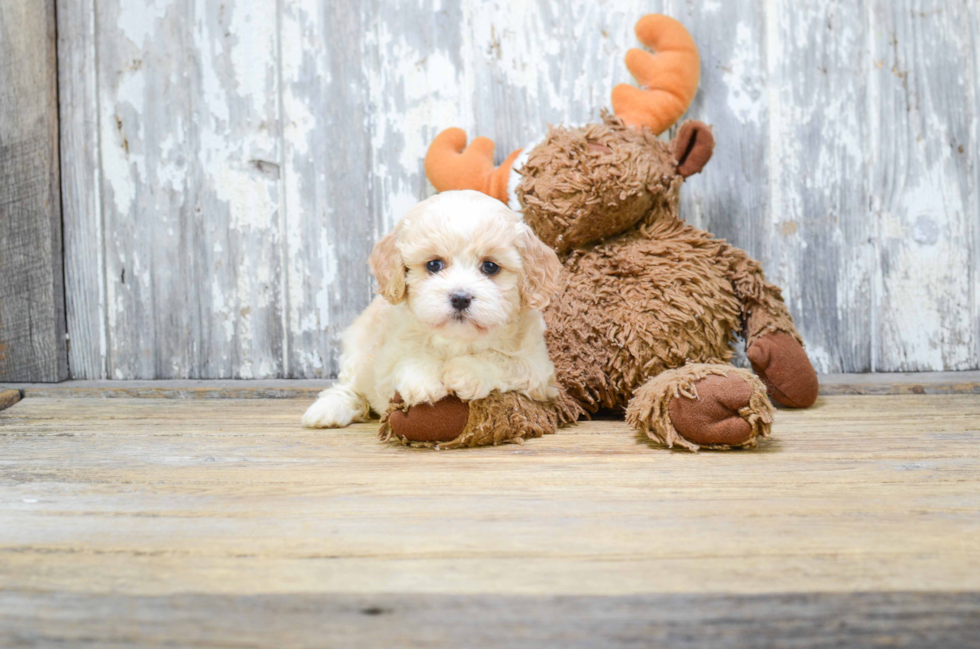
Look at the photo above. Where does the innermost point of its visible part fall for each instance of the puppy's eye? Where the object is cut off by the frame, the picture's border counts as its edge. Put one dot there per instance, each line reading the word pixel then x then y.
pixel 490 268
pixel 435 265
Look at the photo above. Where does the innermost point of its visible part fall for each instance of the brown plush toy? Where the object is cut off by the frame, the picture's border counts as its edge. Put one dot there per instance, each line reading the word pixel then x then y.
pixel 648 307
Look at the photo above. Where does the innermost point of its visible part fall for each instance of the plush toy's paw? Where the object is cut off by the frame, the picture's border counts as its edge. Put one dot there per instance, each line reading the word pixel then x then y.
pixel 441 421
pixel 714 417
pixel 779 360
pixel 702 404
pixel 453 423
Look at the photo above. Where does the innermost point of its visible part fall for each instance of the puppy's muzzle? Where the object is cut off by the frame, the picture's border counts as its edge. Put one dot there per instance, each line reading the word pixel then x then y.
pixel 461 301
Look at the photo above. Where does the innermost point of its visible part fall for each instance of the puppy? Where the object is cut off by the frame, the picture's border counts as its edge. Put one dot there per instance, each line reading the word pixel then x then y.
pixel 461 281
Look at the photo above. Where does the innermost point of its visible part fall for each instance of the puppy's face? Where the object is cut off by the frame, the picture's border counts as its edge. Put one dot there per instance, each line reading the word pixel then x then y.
pixel 465 263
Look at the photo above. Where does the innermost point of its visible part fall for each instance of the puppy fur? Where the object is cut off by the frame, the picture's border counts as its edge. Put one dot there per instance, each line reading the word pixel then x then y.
pixel 414 341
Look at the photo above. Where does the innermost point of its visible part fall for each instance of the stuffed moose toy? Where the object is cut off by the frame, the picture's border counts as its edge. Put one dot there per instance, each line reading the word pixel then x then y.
pixel 648 307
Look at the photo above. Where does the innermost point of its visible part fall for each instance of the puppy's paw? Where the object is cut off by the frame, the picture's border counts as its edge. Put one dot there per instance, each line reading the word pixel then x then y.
pixel 421 389
pixel 468 379
pixel 330 411
pixel 416 392
pixel 543 391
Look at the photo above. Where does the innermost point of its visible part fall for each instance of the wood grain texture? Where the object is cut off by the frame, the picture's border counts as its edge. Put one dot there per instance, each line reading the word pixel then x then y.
pixel 137 522
pixel 203 389
pixel 731 197
pixel 32 294
pixel 233 497
pixel 330 219
pixel 241 194
pixel 8 398
pixel 798 620
pixel 81 190
pixel 830 384
pixel 819 239
pixel 924 113
pixel 190 155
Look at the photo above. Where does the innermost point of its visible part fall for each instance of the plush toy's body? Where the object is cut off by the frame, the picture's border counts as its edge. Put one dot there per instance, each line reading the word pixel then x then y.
pixel 648 307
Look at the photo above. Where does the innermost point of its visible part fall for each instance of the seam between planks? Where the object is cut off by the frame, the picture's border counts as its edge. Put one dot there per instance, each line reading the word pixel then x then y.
pixel 830 385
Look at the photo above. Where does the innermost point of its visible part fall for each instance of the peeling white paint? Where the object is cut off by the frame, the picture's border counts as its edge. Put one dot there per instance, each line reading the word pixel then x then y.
pixel 419 92
pixel 923 294
pixel 120 135
pixel 744 77
pixel 253 52
pixel 248 196
pixel 138 20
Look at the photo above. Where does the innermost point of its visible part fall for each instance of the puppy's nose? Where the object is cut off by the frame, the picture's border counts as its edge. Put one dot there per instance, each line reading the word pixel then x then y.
pixel 460 301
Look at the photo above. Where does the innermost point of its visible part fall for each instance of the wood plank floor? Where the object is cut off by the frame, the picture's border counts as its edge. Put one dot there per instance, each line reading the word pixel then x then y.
pixel 145 522
pixel 879 383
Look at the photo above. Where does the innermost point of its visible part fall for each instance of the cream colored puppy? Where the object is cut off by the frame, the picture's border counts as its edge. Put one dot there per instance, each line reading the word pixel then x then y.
pixel 461 281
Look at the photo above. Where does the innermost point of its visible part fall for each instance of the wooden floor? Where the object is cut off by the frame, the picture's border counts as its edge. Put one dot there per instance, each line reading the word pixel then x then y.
pixel 165 522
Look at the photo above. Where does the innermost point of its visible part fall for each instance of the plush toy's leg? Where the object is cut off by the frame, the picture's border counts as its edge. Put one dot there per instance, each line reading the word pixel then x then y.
pixel 772 344
pixel 702 405
pixel 779 360
pixel 450 423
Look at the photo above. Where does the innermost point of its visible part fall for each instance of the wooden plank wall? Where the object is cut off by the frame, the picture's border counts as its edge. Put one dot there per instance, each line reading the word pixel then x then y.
pixel 228 164
pixel 32 296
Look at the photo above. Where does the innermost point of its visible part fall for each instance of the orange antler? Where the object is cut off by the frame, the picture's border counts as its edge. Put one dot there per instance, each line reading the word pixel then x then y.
pixel 448 166
pixel 669 77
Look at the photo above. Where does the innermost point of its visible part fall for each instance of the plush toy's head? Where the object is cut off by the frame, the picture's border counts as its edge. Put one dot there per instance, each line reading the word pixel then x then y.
pixel 583 184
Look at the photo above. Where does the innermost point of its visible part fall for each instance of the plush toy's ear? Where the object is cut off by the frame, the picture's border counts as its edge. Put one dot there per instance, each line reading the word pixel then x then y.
pixel 388 268
pixel 692 147
pixel 539 280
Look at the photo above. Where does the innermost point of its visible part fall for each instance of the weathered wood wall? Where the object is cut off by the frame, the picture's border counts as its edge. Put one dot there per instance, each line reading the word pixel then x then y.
pixel 32 295
pixel 228 164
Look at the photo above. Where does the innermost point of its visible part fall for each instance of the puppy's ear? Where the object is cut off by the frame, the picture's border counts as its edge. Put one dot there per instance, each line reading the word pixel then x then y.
pixel 388 268
pixel 539 281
